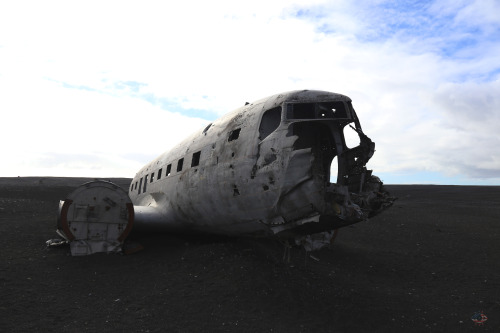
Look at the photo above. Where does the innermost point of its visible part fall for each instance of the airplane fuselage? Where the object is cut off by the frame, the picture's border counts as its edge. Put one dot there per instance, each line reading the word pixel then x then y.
pixel 263 168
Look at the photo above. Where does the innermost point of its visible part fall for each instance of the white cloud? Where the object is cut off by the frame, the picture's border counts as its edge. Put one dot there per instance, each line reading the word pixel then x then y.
pixel 416 76
pixel 73 132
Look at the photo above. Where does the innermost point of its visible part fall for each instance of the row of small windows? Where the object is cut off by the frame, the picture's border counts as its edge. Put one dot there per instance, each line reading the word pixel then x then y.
pixel 142 183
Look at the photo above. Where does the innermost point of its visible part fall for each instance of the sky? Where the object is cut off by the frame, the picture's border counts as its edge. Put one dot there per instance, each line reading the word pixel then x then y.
pixel 100 88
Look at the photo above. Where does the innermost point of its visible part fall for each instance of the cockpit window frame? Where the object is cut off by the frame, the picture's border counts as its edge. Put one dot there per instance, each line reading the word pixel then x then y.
pixel 317 110
pixel 270 121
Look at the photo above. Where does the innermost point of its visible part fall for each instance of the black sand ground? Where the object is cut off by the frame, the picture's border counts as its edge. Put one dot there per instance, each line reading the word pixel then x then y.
pixel 425 265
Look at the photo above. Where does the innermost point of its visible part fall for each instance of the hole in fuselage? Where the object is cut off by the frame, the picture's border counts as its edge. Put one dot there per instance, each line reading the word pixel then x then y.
pixel 319 138
pixel 233 135
pixel 351 137
pixel 334 170
pixel 236 192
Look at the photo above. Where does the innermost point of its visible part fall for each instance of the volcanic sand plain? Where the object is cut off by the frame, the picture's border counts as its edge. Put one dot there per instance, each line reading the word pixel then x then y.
pixel 427 264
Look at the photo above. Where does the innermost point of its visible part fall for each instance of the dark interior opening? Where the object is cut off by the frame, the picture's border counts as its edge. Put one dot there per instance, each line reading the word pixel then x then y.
pixel 233 135
pixel 270 122
pixel 236 192
pixel 195 161
pixel 317 110
pixel 319 138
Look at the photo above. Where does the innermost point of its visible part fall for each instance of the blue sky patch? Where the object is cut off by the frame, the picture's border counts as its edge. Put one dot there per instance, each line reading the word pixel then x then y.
pixel 427 177
pixel 173 106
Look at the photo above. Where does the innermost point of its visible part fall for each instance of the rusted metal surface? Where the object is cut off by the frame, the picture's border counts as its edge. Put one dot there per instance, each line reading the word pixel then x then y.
pixel 265 169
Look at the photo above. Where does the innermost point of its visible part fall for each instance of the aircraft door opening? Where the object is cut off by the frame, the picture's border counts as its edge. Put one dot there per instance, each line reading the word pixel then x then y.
pixel 319 138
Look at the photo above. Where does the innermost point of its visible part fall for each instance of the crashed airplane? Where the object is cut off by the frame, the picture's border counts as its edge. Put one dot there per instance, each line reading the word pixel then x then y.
pixel 264 169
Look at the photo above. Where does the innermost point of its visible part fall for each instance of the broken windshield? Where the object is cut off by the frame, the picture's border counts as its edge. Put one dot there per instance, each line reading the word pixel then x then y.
pixel 317 110
pixel 351 137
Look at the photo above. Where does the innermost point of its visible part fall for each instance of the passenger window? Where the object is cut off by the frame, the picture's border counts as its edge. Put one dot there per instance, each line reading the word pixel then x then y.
pixel 145 183
pixel 179 164
pixel 159 174
pixel 152 177
pixel 169 168
pixel 195 161
pixel 140 185
pixel 233 135
pixel 270 122
pixel 136 185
